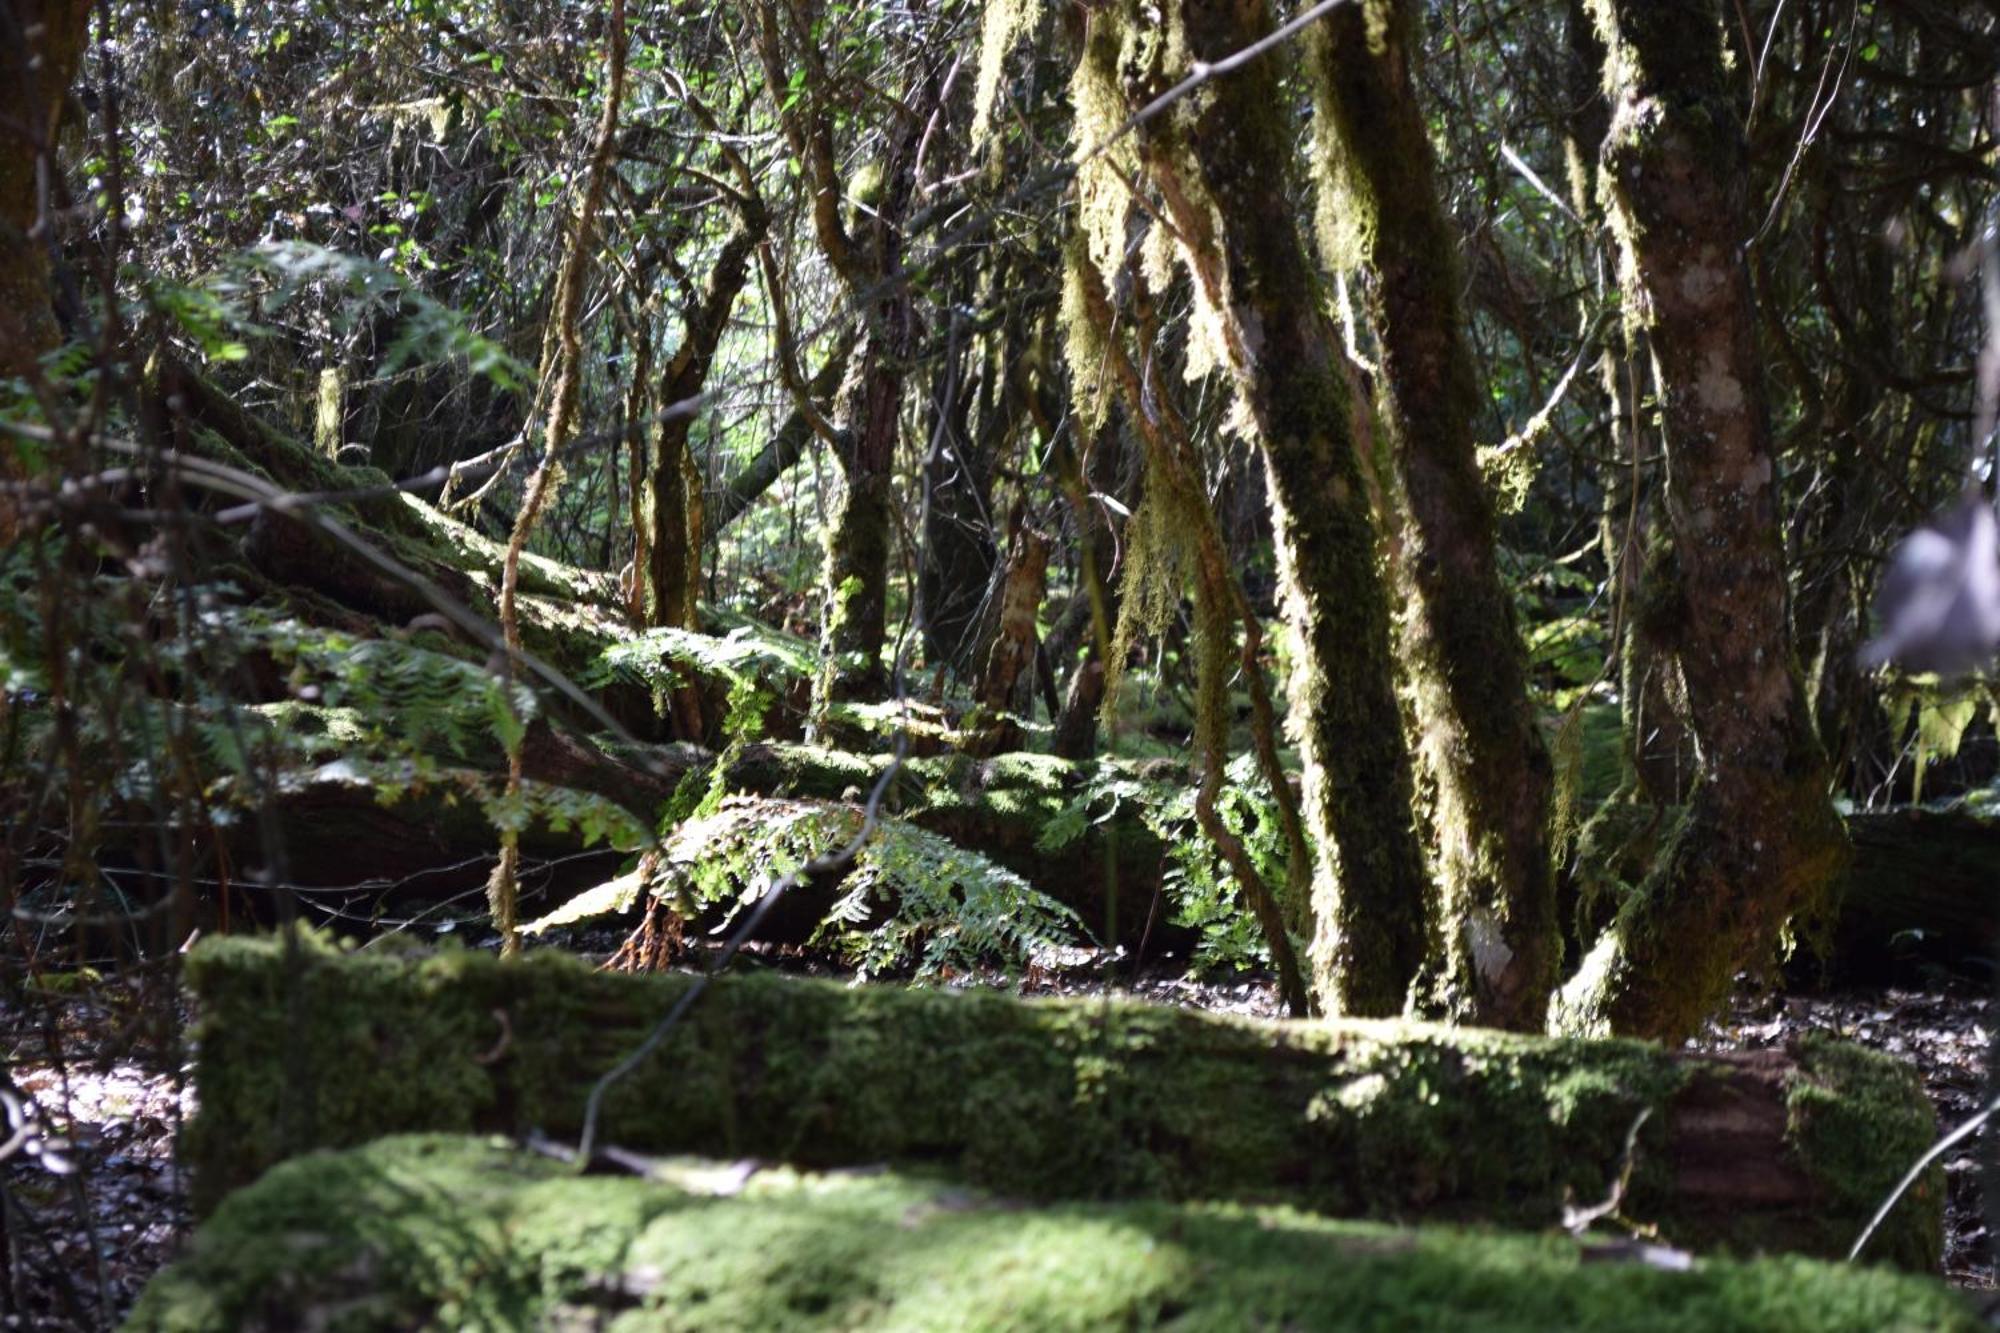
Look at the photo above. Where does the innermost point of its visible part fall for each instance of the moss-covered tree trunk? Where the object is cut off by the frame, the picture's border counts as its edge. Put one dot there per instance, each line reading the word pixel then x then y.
pixel 867 255
pixel 1761 841
pixel 870 413
pixel 1221 163
pixel 40 43
pixel 672 506
pixel 1637 549
pixel 1479 740
pixel 1095 608
pixel 857 539
pixel 974 414
pixel 1010 657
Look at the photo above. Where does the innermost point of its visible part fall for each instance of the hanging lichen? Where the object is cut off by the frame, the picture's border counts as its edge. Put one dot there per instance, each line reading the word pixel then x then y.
pixel 1106 165
pixel 1155 575
pixel 1340 222
pixel 1084 346
pixel 1003 25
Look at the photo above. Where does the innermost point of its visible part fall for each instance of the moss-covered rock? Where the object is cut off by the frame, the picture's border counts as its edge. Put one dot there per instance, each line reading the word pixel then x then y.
pixel 303 1047
pixel 453 1232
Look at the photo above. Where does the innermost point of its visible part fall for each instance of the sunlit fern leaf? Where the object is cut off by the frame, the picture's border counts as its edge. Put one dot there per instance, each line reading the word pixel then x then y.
pixel 909 898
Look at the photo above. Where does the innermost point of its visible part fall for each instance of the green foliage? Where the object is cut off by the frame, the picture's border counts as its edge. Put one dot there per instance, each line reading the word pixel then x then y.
pixel 1554 602
pixel 267 277
pixel 760 666
pixel 1198 884
pixel 161 720
pixel 411 699
pixel 908 899
pixel 1936 715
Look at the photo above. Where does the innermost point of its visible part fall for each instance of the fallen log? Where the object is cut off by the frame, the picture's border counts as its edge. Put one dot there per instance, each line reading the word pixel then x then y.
pixel 304 1047
pixel 447 1232
pixel 431 841
pixel 1924 893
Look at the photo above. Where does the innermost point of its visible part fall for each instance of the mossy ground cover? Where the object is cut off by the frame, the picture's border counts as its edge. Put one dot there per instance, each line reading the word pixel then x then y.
pixel 473 1233
pixel 305 1046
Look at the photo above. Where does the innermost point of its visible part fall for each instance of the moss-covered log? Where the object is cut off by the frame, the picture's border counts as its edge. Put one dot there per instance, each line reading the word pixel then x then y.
pixel 454 1232
pixel 1761 842
pixel 568 614
pixel 304 1048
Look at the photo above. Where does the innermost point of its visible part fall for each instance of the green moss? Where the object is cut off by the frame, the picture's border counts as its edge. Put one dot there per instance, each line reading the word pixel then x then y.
pixel 1851 1111
pixel 1045 1100
pixel 328 730
pixel 857 562
pixel 460 1233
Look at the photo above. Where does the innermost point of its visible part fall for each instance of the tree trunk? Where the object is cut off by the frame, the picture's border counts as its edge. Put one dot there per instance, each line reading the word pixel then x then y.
pixel 857 548
pixel 1922 895
pixel 956 578
pixel 869 262
pixel 1637 550
pixel 671 543
pixel 1479 739
pixel 42 41
pixel 857 540
pixel 857 585
pixel 1012 652
pixel 1094 608
pixel 40 44
pixel 1221 161
pixel 1761 841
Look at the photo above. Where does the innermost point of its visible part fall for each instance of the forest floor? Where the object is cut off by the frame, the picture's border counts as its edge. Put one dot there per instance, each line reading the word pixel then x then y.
pixel 121 1109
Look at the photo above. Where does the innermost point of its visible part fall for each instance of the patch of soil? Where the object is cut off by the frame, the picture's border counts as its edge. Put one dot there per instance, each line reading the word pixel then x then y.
pixel 94 1201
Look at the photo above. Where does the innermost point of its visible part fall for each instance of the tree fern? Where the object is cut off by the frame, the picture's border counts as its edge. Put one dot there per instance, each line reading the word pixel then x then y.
pixel 910 899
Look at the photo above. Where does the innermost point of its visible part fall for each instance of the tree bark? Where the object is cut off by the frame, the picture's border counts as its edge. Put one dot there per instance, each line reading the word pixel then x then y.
pixel 672 543
pixel 1478 736
pixel 1637 550
pixel 869 262
pixel 1011 654
pixel 1221 162
pixel 41 42
pixel 1761 841
pixel 960 557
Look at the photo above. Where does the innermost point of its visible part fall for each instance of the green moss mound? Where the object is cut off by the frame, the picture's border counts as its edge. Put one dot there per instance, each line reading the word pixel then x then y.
pixel 304 1046
pixel 453 1232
